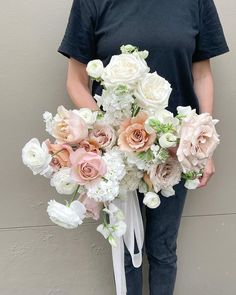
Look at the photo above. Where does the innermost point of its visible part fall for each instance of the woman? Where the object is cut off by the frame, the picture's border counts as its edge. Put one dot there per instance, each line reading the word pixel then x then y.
pixel 181 37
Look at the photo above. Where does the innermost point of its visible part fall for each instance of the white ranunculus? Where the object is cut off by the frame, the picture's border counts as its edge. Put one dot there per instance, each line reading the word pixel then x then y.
pixel 119 228
pixel 151 200
pixel 87 115
pixel 64 216
pixel 153 92
pixel 124 69
pixel 167 140
pixel 192 183
pixel 62 181
pixel 36 157
pixel 95 68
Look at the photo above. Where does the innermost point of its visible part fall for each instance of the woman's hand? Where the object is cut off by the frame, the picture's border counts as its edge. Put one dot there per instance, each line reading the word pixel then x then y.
pixel 208 172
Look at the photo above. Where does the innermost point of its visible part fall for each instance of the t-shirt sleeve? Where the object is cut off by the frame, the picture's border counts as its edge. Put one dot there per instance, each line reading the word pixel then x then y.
pixel 78 41
pixel 210 40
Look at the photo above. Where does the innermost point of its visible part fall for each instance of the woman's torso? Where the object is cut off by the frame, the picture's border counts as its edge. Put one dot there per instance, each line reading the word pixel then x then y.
pixel 166 28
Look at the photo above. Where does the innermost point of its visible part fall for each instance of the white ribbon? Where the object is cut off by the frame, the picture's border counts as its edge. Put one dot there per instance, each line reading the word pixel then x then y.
pixel 133 218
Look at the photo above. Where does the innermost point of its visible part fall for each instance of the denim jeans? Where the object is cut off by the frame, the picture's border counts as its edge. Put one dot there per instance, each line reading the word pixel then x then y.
pixel 161 230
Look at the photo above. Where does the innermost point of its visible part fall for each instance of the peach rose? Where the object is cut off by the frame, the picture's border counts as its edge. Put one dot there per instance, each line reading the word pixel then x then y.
pixel 133 136
pixel 62 154
pixel 68 127
pixel 104 135
pixel 93 208
pixel 198 140
pixel 87 167
pixel 90 146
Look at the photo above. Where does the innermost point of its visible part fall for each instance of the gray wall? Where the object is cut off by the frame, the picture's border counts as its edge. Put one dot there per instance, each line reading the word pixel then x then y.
pixel 39 258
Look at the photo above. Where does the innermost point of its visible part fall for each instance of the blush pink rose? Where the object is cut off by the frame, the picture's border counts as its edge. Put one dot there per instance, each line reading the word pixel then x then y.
pixel 93 208
pixel 133 136
pixel 86 167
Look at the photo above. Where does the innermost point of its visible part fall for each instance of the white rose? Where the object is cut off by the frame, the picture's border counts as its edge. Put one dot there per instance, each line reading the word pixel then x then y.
pixel 62 181
pixel 124 69
pixel 151 200
pixel 153 92
pixel 192 183
pixel 95 68
pixel 119 228
pixel 167 140
pixel 87 115
pixel 67 217
pixel 36 157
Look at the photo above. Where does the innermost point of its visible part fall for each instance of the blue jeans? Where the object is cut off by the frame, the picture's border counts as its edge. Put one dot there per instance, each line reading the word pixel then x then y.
pixel 161 230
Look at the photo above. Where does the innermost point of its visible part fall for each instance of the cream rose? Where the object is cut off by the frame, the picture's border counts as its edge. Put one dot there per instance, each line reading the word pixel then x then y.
pixel 124 69
pixel 164 176
pixel 198 140
pixel 153 92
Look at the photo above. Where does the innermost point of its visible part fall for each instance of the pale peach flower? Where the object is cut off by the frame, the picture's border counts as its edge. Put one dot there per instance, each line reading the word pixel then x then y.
pixel 62 154
pixel 90 146
pixel 68 127
pixel 198 140
pixel 133 136
pixel 87 167
pixel 104 135
pixel 165 175
pixel 93 208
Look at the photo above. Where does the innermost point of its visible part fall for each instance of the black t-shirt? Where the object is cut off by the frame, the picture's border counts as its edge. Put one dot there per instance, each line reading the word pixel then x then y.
pixel 176 34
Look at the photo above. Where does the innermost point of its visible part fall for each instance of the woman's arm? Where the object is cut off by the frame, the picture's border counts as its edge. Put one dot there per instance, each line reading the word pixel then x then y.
pixel 204 89
pixel 78 85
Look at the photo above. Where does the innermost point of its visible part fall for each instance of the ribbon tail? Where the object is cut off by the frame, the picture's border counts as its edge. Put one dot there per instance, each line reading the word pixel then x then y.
pixel 135 230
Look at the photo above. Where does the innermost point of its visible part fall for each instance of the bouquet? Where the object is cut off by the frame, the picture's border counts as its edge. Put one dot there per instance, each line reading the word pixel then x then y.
pixel 132 143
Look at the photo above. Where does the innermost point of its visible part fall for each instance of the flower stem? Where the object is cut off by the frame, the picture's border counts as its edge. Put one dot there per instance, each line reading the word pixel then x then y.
pixel 74 194
pixel 53 154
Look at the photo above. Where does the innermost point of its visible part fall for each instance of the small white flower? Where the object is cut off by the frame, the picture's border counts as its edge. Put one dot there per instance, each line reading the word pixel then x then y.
pixel 95 68
pixel 48 119
pixel 168 192
pixel 64 216
pixel 151 200
pixel 114 212
pixel 192 183
pixel 167 140
pixel 184 111
pixel 62 181
pixel 36 157
pixel 104 230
